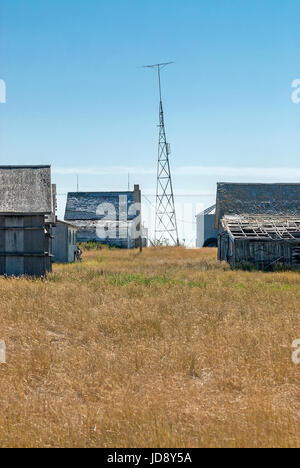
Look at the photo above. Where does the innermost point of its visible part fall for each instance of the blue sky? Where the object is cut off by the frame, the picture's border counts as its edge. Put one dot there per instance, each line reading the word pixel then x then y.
pixel 78 99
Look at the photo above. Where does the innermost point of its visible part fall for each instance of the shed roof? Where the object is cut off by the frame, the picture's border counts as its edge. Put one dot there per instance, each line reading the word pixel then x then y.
pixel 59 221
pixel 208 211
pixel 257 199
pixel 258 228
pixel 85 205
pixel 25 190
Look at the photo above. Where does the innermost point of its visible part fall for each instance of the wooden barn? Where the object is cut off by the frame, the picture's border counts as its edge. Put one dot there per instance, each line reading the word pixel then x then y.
pixel 27 213
pixel 258 224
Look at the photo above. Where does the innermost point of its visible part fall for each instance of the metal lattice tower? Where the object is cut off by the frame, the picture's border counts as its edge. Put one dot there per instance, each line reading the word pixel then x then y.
pixel 165 216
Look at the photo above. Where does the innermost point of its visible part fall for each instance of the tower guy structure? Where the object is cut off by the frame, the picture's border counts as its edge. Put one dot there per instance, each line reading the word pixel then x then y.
pixel 166 231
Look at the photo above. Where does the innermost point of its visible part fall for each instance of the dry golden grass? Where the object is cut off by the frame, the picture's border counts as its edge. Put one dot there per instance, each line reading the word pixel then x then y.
pixel 164 349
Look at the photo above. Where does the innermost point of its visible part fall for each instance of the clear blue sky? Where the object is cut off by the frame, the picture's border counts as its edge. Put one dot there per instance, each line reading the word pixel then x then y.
pixel 77 99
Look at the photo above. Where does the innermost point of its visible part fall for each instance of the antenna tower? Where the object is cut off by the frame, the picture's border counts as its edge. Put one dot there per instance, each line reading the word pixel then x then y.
pixel 166 231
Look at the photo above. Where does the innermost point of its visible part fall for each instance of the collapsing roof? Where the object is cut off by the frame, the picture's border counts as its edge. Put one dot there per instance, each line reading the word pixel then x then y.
pixel 259 224
pixel 258 228
pixel 253 199
pixel 25 190
pixel 85 205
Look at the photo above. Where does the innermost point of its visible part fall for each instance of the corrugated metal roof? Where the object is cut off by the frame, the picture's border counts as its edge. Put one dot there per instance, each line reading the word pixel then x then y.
pixel 261 199
pixel 84 205
pixel 25 189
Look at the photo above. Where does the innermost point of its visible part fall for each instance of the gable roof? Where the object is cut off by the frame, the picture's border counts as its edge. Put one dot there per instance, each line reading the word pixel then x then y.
pixel 257 199
pixel 25 190
pixel 85 205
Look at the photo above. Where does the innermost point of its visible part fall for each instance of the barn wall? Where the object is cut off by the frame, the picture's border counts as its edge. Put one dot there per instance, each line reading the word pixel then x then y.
pixel 259 253
pixel 72 243
pixel 60 243
pixel 64 243
pixel 263 253
pixel 87 232
pixel 22 246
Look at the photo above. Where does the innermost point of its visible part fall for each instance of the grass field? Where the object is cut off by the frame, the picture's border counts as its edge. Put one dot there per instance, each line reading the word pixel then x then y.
pixel 164 349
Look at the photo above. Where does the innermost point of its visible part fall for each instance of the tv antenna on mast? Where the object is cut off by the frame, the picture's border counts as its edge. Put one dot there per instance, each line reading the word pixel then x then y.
pixel 165 217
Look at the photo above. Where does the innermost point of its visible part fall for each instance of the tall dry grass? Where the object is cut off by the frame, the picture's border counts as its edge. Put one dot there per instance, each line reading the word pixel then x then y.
pixel 164 349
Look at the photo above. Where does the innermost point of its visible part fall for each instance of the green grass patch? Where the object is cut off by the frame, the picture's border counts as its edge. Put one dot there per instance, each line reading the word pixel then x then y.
pixel 119 279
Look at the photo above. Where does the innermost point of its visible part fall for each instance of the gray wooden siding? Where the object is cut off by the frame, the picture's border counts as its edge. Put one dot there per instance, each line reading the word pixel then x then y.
pixel 24 246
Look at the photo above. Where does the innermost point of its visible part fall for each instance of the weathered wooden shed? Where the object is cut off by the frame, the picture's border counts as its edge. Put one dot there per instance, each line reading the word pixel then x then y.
pixel 26 218
pixel 112 218
pixel 258 224
pixel 64 243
